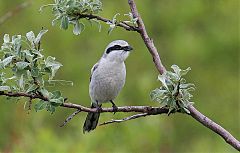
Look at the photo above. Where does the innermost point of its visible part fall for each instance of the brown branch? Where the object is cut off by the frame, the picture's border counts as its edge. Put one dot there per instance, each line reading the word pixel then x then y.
pixel 157 61
pixel 125 119
pixel 14 11
pixel 70 117
pixel 148 41
pixel 99 18
pixel 214 127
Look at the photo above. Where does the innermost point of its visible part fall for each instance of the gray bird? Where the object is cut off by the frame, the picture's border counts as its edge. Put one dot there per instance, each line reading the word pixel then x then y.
pixel 107 79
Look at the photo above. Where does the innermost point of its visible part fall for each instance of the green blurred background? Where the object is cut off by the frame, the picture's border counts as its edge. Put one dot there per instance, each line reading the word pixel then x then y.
pixel 202 34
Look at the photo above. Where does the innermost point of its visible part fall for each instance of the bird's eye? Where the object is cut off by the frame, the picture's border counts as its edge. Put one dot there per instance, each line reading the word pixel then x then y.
pixel 115 47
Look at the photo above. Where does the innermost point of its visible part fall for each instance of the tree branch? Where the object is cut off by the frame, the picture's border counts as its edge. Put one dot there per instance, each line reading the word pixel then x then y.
pixel 157 61
pixel 125 119
pixel 99 18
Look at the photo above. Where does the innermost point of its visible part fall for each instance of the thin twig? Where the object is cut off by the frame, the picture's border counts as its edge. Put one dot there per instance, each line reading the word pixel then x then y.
pixel 70 117
pixel 14 11
pixel 125 119
pixel 119 24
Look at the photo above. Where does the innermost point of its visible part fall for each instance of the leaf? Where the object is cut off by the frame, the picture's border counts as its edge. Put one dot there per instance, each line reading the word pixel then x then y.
pixel 6 38
pixel 162 78
pixel 78 28
pixel 22 65
pixel 64 23
pixel 56 94
pixel 5 88
pixel 50 108
pixel 32 88
pixel 54 65
pixel 40 105
pixel 176 69
pixel 7 61
pixel 30 36
pixel 44 92
pixel 187 85
pixel 39 36
pixel 21 82
pixel 184 72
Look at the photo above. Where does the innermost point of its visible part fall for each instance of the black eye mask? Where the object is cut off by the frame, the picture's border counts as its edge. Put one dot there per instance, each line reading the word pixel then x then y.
pixel 118 47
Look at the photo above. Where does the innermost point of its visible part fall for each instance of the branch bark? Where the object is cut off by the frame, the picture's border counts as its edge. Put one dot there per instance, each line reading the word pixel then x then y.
pixel 99 18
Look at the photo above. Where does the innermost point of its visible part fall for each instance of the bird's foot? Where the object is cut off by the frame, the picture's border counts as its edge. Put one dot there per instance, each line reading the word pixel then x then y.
pixel 115 108
pixel 99 108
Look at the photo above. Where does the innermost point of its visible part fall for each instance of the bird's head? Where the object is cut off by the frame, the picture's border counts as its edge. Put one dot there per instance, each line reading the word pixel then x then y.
pixel 117 50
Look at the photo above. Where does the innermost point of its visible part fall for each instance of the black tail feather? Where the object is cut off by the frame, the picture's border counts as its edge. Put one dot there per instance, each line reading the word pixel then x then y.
pixel 91 121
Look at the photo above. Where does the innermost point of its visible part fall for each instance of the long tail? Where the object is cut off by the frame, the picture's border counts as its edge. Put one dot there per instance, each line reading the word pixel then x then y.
pixel 91 121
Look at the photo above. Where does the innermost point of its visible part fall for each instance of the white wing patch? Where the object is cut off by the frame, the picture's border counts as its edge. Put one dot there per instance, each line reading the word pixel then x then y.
pixel 93 69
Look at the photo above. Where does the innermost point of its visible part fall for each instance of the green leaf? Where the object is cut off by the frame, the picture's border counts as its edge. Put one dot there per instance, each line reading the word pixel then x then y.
pixel 21 82
pixel 56 94
pixel 39 36
pixel 44 92
pixel 22 65
pixel 77 29
pixel 6 38
pixel 51 108
pixel 184 72
pixel 54 65
pixel 64 23
pixel 7 61
pixel 40 105
pixel 32 88
pixel 5 88
pixel 176 69
pixel 162 78
pixel 30 36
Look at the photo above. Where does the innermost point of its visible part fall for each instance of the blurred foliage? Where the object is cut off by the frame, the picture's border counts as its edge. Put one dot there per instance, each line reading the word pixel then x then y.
pixel 201 34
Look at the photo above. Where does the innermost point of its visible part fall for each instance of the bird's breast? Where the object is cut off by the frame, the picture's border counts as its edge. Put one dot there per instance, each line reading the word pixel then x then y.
pixel 106 83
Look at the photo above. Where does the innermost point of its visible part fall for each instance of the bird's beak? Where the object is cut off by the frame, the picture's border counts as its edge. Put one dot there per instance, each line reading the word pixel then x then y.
pixel 128 48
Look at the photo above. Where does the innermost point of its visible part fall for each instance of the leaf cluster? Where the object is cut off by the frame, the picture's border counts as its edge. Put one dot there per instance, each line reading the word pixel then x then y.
pixel 71 12
pixel 174 93
pixel 24 69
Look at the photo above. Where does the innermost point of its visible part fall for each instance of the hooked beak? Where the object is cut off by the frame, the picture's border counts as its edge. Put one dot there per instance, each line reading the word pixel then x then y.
pixel 128 48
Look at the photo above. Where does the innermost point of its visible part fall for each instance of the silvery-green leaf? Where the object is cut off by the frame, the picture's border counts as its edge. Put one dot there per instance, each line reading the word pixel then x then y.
pixel 173 76
pixel 64 23
pixel 22 65
pixel 30 36
pixel 77 28
pixel 50 108
pixel 39 36
pixel 5 88
pixel 6 38
pixel 112 26
pixel 163 80
pixel 44 92
pixel 187 85
pixel 21 82
pixel 184 72
pixel 56 94
pixel 7 61
pixel 176 69
pixel 54 65
pixel 32 88
pixel 40 105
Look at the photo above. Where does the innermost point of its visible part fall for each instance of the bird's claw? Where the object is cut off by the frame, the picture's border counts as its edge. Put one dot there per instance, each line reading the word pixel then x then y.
pixel 115 108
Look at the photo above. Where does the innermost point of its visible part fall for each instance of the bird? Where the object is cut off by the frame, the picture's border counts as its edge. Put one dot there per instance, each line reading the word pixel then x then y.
pixel 107 79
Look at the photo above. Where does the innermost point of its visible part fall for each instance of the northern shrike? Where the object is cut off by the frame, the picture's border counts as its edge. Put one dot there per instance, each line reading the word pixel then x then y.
pixel 107 79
